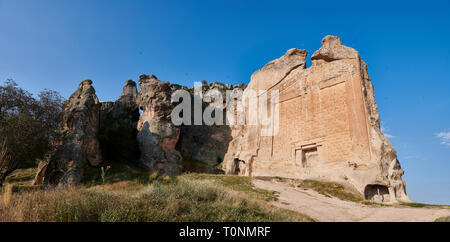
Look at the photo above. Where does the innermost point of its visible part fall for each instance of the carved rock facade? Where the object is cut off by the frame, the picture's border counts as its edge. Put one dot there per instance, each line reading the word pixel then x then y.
pixel 328 125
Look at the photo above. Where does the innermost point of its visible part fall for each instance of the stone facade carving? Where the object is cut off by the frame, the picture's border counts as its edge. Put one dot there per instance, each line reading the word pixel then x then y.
pixel 329 127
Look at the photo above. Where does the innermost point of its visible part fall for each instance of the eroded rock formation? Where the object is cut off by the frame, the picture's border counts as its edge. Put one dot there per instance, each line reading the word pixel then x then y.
pixel 208 143
pixel 163 145
pixel 78 143
pixel 328 125
pixel 118 126
pixel 157 135
pixel 324 125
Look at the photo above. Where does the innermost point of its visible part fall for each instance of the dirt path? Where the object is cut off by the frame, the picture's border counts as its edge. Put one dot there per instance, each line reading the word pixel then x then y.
pixel 325 209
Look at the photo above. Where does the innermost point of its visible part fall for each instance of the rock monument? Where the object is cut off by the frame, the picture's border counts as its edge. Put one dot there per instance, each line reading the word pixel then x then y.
pixel 323 123
pixel 328 125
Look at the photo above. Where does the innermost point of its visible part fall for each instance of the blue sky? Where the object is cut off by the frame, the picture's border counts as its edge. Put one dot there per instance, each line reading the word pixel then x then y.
pixel 56 44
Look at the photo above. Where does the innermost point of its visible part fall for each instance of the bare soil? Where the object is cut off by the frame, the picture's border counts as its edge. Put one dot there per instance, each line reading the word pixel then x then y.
pixel 330 209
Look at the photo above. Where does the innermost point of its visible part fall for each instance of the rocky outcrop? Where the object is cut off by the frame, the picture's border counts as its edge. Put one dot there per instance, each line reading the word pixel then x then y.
pixel 126 136
pixel 323 124
pixel 157 135
pixel 164 146
pixel 118 126
pixel 78 144
pixel 327 125
pixel 208 143
pixel 332 49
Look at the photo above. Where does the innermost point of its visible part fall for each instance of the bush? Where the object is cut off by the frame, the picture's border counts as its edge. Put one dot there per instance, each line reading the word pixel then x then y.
pixel 27 125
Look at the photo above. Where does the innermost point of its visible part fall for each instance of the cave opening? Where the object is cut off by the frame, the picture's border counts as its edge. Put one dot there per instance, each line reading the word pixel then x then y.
pixel 237 168
pixel 377 193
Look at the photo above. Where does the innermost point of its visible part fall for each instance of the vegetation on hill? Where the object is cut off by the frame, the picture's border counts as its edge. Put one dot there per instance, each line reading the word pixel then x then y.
pixel 423 205
pixel 328 189
pixel 27 126
pixel 443 219
pixel 127 195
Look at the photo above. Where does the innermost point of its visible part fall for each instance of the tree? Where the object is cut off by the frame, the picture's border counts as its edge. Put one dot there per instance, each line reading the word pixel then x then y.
pixel 28 125
pixel 7 165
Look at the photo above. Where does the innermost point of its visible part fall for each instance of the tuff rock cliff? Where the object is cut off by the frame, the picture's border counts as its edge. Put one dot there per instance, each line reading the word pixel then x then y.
pixel 324 125
pixel 327 125
pixel 208 143
pixel 118 126
pixel 157 135
pixel 78 145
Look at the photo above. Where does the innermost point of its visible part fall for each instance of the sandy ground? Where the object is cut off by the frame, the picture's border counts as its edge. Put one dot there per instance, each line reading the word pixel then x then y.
pixel 325 209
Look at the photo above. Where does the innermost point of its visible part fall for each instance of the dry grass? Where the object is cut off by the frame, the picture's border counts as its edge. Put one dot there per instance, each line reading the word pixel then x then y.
pixel 443 219
pixel 328 189
pixel 331 189
pixel 7 194
pixel 191 197
pixel 194 166
pixel 423 205
pixel 237 183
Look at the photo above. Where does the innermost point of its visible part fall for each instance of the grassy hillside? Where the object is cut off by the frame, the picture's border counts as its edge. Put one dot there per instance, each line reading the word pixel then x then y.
pixel 443 219
pixel 131 195
pixel 328 189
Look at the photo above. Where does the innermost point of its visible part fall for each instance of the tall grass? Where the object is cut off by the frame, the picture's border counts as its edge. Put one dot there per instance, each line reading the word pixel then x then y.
pixel 443 219
pixel 328 189
pixel 164 199
pixel 7 194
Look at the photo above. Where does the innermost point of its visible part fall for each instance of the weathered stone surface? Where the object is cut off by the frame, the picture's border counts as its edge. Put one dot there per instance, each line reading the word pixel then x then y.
pixel 78 143
pixel 329 127
pixel 118 126
pixel 208 143
pixel 278 69
pixel 157 135
pixel 332 49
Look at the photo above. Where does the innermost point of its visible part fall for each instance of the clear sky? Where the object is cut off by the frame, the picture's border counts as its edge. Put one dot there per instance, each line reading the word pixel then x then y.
pixel 58 43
